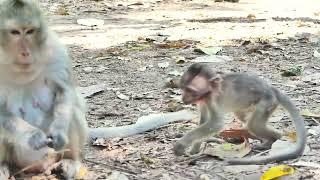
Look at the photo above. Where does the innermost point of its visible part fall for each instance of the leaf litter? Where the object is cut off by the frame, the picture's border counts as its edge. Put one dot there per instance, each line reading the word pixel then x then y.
pixel 254 47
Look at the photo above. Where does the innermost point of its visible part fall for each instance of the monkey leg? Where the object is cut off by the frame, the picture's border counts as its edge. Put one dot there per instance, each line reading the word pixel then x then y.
pixel 203 131
pixel 195 149
pixel 71 163
pixel 257 124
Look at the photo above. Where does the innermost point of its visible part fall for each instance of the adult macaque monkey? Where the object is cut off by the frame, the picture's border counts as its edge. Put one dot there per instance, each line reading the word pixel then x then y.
pixel 251 99
pixel 39 107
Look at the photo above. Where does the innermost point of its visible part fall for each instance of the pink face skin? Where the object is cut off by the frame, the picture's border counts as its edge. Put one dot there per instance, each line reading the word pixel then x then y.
pixel 197 91
pixel 21 42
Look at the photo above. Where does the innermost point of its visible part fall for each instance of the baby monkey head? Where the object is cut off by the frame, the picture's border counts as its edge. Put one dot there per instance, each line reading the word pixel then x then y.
pixel 198 83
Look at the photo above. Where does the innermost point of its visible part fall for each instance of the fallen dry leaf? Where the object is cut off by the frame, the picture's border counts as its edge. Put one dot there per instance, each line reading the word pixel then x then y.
pixel 308 113
pixel 277 171
pixel 234 133
pixel 292 135
pixel 173 44
pixel 147 160
pixel 292 71
pixel 122 96
pixel 91 90
pixel 228 150
pixel 211 50
pixel 251 16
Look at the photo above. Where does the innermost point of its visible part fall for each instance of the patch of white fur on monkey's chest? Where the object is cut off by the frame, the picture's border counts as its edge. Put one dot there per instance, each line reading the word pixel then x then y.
pixel 31 105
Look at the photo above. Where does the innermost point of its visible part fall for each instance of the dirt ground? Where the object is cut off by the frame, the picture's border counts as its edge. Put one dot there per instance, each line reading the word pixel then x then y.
pixel 259 37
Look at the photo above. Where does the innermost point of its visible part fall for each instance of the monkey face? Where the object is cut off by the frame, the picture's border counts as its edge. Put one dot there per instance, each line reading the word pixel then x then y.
pixel 20 46
pixel 197 90
pixel 20 42
pixel 195 96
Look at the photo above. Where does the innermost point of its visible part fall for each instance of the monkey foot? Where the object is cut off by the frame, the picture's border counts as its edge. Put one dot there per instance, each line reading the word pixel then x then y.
pixel 179 149
pixel 194 151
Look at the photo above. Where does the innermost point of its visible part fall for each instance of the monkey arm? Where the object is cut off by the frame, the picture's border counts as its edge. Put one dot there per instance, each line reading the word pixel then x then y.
pixel 143 124
pixel 62 110
pixel 59 78
pixel 15 125
pixel 19 131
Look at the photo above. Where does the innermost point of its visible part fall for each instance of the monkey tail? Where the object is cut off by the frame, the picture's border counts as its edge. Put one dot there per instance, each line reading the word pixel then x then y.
pixel 143 124
pixel 292 153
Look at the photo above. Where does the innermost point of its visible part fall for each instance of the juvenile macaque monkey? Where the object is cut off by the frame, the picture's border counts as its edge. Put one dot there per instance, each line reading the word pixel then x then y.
pixel 251 99
pixel 39 107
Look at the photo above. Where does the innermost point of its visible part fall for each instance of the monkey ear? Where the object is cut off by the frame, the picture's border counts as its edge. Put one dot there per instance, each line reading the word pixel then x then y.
pixel 215 81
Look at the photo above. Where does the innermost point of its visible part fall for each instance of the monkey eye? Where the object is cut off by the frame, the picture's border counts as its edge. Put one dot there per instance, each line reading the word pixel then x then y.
pixel 30 31
pixel 190 91
pixel 15 32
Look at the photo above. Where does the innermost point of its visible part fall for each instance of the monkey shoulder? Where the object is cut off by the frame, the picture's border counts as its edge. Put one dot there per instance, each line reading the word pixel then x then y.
pixel 59 70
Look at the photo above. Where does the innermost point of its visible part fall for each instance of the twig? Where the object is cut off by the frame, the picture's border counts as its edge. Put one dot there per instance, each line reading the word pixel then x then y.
pixel 263 152
pixel 124 171
pixel 222 177
pixel 316 121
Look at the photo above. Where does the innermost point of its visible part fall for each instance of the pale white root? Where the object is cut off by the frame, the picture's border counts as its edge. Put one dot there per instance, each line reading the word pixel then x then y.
pixel 143 124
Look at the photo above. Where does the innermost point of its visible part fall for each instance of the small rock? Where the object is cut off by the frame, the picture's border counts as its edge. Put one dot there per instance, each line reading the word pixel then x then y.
pixel 100 69
pixel 175 73
pixel 163 65
pixel 88 69
pixel 122 96
pixel 204 177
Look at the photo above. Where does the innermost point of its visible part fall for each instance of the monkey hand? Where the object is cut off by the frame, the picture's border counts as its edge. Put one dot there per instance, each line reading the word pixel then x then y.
pixel 58 139
pixel 37 139
pixel 179 149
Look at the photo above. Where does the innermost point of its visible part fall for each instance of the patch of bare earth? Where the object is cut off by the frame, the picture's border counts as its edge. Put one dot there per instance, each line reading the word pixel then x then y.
pixel 125 54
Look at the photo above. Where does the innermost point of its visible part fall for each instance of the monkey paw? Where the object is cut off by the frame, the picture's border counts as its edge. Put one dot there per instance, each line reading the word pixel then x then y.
pixel 38 140
pixel 58 140
pixel 179 149
pixel 194 150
